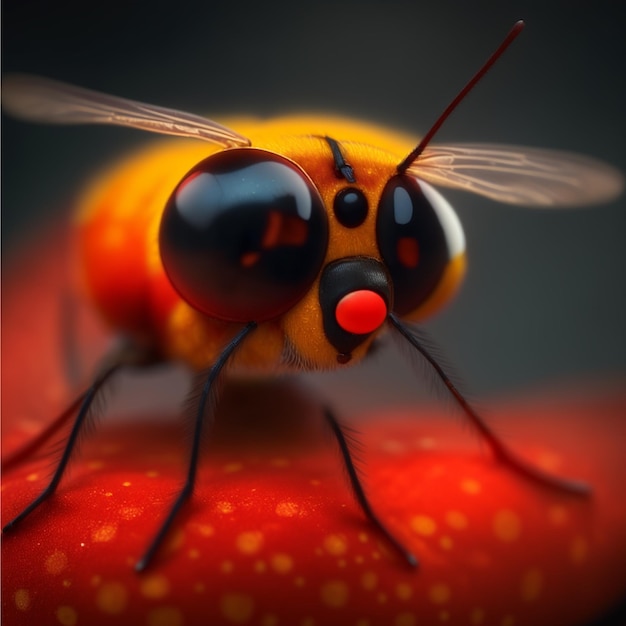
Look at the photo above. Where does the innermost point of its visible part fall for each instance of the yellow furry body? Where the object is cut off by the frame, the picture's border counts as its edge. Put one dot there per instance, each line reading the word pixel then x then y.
pixel 118 227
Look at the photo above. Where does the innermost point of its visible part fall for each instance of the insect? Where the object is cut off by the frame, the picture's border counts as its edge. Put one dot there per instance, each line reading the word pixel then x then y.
pixel 290 244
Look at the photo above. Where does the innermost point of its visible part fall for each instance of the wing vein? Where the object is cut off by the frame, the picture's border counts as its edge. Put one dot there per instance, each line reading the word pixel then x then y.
pixel 42 100
pixel 517 175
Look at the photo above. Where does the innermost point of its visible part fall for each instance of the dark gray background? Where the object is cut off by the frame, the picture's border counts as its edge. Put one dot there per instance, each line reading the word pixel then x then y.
pixel 545 298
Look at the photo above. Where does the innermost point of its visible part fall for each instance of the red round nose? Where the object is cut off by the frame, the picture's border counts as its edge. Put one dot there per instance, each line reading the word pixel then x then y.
pixel 361 312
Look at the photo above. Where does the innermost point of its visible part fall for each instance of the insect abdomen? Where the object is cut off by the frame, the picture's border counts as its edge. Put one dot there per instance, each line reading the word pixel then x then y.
pixel 118 222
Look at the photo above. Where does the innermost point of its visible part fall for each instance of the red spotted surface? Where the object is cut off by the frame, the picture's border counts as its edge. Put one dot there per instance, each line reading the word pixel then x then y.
pixel 273 537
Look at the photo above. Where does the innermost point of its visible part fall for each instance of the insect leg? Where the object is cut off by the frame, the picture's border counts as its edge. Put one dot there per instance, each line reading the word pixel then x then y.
pixel 71 366
pixel 31 446
pixel 358 490
pixel 499 449
pixel 190 480
pixel 125 356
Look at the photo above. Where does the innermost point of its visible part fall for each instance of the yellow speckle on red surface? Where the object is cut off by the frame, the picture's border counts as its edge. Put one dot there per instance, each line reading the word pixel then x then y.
pixel 281 563
pixel 96 580
pixel 66 615
pixel 405 619
pixel 260 567
pixel 393 446
pixel 152 473
pixel 206 530
pixel 471 486
pixel 335 545
pixel 231 468
pixel 369 580
pixel 508 620
pixel 165 616
pixel 550 461
pixel 126 483
pixel 287 509
pixel 426 443
pixel 31 478
pixel 439 594
pixel 381 597
pixel 56 562
pixel 280 462
pixel 557 515
pixel 227 567
pixel 404 591
pixel 334 593
pixel 477 617
pixel 224 507
pixel 112 598
pixel 423 525
pixel 237 607
pixel 446 542
pixel 531 584
pixel 193 553
pixel 95 465
pixel 269 620
pixel 456 520
pixel 507 526
pixel 130 512
pixel 22 599
pixel 249 542
pixel 443 616
pixel 104 533
pixel 176 540
pixel 578 550
pixel 199 587
pixel 67 583
pixel 155 586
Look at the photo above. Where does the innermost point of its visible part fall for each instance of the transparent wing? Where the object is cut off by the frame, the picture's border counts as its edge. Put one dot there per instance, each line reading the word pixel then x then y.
pixel 519 175
pixel 39 99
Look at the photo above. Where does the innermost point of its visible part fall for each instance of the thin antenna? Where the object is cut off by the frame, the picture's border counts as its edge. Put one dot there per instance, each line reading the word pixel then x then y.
pixel 513 33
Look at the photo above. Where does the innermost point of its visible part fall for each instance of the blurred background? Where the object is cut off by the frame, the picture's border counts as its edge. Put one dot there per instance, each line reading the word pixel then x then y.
pixel 544 303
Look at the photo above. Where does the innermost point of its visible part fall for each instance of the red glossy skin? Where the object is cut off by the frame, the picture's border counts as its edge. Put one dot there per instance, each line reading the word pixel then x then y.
pixel 272 535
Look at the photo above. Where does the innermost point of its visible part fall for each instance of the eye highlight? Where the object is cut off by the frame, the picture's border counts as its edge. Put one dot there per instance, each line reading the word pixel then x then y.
pixel 418 234
pixel 243 235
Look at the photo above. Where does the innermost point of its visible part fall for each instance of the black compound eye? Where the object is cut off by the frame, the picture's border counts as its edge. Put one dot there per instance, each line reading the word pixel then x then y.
pixel 350 207
pixel 411 239
pixel 244 235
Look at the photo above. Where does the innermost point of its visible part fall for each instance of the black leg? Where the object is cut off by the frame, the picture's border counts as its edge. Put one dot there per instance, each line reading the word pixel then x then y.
pixel 30 447
pixel 359 492
pixel 499 449
pixel 187 489
pixel 85 401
